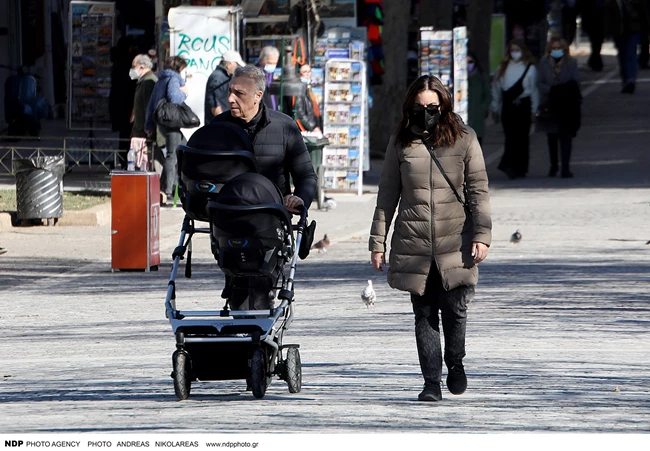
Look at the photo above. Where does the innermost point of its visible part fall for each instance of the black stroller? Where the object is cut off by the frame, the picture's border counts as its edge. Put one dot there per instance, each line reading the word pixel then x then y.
pixel 251 236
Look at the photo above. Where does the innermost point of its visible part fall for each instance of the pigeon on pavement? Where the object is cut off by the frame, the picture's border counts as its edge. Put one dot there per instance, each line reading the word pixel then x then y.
pixel 368 295
pixel 329 204
pixel 515 238
pixel 322 244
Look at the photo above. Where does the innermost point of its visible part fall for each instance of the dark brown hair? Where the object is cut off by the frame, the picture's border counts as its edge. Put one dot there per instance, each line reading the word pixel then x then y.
pixel 449 127
pixel 526 56
pixel 176 63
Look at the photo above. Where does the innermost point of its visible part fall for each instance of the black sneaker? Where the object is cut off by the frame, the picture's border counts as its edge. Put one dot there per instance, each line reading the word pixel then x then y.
pixel 456 380
pixel 431 393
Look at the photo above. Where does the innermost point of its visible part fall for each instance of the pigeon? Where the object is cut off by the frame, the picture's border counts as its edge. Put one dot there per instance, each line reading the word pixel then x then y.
pixel 368 295
pixel 322 244
pixel 328 204
pixel 515 238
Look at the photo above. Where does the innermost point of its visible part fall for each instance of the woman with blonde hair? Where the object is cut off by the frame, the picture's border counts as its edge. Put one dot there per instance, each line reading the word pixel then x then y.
pixel 434 176
pixel 514 102
pixel 558 82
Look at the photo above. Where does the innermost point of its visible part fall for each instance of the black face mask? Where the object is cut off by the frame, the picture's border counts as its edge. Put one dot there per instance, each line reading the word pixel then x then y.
pixel 425 118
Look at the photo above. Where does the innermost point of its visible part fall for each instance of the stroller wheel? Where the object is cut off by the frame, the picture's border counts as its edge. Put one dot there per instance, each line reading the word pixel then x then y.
pixel 181 374
pixel 293 370
pixel 258 378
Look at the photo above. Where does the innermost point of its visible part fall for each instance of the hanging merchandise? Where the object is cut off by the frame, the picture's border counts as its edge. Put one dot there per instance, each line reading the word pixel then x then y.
pixel 344 117
pixel 374 21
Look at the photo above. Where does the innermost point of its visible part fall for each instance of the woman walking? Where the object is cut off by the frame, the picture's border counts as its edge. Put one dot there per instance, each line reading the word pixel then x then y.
pixel 514 101
pixel 442 231
pixel 170 85
pixel 479 96
pixel 559 115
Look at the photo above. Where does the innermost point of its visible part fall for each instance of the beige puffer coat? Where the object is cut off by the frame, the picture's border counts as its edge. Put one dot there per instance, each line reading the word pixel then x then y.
pixel 431 223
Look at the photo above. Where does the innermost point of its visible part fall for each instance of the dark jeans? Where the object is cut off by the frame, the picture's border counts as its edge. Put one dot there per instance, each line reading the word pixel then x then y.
pixel 564 140
pixel 252 293
pixel 453 308
pixel 516 127
pixel 627 44
pixel 168 180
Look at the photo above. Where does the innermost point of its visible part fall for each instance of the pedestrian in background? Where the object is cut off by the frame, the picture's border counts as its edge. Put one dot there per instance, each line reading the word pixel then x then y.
pixel 268 61
pixel 558 81
pixel 216 89
pixel 439 236
pixel 479 96
pixel 624 20
pixel 141 71
pixel 305 108
pixel 514 101
pixel 170 85
pixel 592 13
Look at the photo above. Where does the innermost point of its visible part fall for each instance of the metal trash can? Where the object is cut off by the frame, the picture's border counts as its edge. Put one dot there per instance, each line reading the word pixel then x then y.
pixel 39 187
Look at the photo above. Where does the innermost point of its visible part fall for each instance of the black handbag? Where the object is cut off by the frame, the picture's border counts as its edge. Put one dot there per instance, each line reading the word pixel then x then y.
pixel 175 115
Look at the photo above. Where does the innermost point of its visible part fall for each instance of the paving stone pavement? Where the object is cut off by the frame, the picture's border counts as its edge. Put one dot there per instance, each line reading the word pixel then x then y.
pixel 558 336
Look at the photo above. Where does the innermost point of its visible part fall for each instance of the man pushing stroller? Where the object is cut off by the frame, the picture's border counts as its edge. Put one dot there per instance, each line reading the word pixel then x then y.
pixel 280 152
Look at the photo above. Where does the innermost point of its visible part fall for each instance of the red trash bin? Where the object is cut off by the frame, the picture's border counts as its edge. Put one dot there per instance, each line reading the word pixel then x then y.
pixel 135 205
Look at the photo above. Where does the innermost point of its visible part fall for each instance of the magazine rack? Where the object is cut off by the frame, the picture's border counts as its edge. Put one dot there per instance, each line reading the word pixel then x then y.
pixel 344 121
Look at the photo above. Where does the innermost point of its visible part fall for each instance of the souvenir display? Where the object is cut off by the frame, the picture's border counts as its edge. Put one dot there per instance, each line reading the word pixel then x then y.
pixel 91 39
pixel 344 118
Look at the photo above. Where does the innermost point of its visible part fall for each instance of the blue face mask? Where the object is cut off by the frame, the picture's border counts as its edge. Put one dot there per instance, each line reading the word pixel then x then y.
pixel 559 53
pixel 305 80
pixel 269 68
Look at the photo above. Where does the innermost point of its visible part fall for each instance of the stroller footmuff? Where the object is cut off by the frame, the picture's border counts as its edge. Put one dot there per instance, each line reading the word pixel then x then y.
pixel 252 240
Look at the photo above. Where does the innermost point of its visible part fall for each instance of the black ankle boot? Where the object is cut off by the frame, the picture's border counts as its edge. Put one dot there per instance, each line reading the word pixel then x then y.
pixel 431 393
pixel 552 172
pixel 457 380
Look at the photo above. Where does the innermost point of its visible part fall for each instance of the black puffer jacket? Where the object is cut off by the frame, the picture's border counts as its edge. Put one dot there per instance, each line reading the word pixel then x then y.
pixel 280 152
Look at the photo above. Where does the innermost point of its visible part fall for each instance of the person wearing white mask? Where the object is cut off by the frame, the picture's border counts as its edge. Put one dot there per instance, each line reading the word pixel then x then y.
pixel 268 61
pixel 515 99
pixel 559 115
pixel 146 80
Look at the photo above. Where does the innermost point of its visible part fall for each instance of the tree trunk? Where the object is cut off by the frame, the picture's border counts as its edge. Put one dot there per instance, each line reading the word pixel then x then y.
pixel 388 97
pixel 480 23
pixel 437 13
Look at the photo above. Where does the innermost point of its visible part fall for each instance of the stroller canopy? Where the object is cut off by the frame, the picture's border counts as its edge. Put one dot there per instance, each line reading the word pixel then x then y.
pixel 249 203
pixel 250 189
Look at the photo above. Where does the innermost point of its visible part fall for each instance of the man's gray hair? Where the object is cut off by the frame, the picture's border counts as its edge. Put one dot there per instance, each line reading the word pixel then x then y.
pixel 254 73
pixel 143 60
pixel 268 50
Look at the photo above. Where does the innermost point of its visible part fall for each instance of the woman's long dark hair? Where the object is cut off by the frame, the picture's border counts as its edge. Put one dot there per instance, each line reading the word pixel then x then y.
pixel 450 125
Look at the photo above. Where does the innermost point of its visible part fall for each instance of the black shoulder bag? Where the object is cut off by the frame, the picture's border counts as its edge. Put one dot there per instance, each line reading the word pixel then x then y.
pixel 444 174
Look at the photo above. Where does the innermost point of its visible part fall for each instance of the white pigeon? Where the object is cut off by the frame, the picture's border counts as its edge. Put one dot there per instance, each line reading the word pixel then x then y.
pixel 368 295
pixel 329 204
